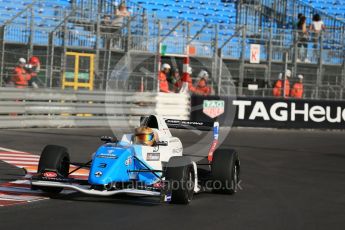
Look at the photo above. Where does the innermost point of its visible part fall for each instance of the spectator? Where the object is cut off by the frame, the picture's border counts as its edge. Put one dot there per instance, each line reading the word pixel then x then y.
pixel 33 68
pixel 163 83
pixel 120 14
pixel 20 76
pixel 316 28
pixel 302 39
pixel 278 86
pixel 186 81
pixel 106 24
pixel 282 84
pixel 298 19
pixel 202 88
pixel 175 80
pixel 298 88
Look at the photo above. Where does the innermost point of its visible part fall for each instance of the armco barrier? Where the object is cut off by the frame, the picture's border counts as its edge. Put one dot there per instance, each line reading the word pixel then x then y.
pixel 275 113
pixel 21 108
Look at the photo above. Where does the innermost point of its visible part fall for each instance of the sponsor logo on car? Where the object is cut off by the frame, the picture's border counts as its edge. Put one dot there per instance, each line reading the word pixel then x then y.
pixel 50 174
pixel 109 156
pixel 98 174
pixel 153 156
pixel 128 161
pixel 102 165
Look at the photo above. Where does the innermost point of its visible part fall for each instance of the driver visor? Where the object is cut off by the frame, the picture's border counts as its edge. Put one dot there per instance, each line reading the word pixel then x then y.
pixel 144 137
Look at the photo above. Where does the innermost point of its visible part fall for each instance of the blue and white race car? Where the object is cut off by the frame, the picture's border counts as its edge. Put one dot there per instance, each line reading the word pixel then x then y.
pixel 131 166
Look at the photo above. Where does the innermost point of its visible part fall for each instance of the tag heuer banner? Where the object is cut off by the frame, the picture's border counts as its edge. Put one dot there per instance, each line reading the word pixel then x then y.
pixel 270 112
pixel 213 108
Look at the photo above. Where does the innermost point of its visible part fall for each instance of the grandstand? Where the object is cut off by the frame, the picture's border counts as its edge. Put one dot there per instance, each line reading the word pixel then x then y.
pixel 216 31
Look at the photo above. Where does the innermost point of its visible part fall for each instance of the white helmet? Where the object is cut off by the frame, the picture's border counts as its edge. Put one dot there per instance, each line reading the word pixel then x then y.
pixel 288 73
pixel 166 66
pixel 280 76
pixel 22 60
pixel 300 76
pixel 203 74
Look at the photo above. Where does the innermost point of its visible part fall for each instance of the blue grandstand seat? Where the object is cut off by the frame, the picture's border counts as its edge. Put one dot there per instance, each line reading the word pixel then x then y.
pixel 332 7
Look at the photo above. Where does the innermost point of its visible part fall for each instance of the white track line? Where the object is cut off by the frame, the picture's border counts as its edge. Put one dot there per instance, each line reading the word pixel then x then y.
pixel 19 191
pixel 19 155
pixel 19 158
pixel 20 163
pixel 22 197
pixel 11 150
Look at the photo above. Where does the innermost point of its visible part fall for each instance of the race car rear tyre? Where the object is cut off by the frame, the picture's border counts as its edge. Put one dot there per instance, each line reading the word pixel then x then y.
pixel 225 170
pixel 55 158
pixel 181 177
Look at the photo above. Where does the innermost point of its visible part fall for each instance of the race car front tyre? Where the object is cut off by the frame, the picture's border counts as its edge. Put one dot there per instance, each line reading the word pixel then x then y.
pixel 180 177
pixel 225 170
pixel 55 158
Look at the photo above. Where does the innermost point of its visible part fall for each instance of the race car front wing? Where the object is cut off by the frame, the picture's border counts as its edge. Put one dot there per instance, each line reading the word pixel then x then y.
pixel 86 190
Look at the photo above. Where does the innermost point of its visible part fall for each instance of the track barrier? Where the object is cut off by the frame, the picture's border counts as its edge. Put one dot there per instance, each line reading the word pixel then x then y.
pixel 22 108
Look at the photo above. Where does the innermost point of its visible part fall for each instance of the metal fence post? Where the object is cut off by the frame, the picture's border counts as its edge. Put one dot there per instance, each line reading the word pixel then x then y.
pixel 269 59
pixel 242 62
pixel 220 72
pixel 286 59
pixel 296 51
pixel 32 31
pixel 158 54
pixel 129 36
pixel 146 30
pixel 215 57
pixel 343 70
pixel 64 49
pixel 320 69
pixel 96 60
pixel 50 59
pixel 2 60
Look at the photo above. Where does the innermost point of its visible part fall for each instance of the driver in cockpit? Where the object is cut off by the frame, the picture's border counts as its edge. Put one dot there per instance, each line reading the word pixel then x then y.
pixel 145 136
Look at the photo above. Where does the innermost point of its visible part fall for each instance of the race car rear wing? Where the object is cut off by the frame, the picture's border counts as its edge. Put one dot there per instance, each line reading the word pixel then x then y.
pixel 199 125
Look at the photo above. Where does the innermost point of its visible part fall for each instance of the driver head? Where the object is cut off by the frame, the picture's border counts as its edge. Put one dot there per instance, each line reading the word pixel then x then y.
pixel 144 136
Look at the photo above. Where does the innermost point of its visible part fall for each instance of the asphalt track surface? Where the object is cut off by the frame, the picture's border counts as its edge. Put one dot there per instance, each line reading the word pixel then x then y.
pixel 290 180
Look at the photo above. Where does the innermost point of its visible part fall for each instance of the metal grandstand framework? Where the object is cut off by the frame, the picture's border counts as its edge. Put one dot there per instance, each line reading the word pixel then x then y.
pixel 81 28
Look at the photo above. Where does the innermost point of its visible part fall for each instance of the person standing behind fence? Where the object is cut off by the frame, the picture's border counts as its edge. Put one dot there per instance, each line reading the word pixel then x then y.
pixel 302 39
pixel 298 19
pixel 120 14
pixel 20 76
pixel 316 27
pixel 298 88
pixel 278 86
pixel 33 68
pixel 106 25
pixel 186 81
pixel 175 80
pixel 163 82
pixel 282 84
pixel 202 88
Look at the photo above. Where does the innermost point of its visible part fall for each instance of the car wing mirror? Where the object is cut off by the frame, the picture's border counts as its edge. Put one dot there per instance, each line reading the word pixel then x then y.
pixel 108 139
